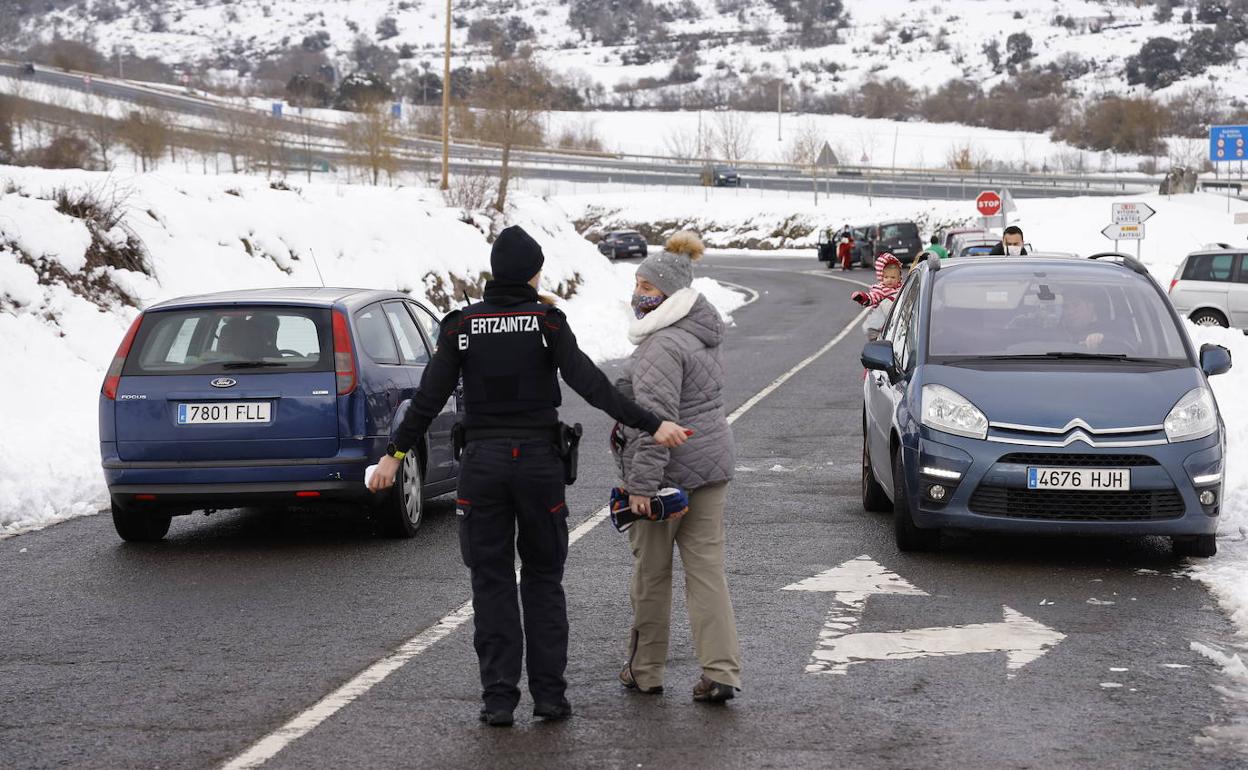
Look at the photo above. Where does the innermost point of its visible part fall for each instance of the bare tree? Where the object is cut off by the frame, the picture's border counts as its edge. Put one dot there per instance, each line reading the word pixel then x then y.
pixel 470 191
pixel 804 148
pixel 146 133
pixel 234 128
pixel 371 140
pixel 265 141
pixel 19 91
pixel 734 136
pixel 101 129
pixel 515 94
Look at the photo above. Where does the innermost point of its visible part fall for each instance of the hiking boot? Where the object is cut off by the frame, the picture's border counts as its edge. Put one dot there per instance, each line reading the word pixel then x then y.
pixel 497 717
pixel 553 712
pixel 710 691
pixel 626 679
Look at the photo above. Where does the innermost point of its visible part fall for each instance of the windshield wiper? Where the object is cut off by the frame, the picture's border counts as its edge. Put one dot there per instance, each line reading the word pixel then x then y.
pixel 252 364
pixel 1066 356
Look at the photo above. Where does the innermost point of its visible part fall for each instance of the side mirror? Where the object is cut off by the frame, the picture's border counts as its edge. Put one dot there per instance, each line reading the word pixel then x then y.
pixel 879 356
pixel 605 249
pixel 1214 359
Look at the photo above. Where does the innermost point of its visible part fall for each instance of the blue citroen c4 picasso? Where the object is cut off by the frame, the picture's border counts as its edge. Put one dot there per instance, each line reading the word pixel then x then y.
pixel 275 396
pixel 1042 395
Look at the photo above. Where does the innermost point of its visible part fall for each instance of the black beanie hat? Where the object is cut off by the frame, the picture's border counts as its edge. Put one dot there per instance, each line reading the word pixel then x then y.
pixel 516 256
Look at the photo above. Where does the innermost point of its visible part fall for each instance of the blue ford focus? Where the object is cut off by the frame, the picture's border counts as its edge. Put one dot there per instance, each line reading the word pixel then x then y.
pixel 276 397
pixel 1041 395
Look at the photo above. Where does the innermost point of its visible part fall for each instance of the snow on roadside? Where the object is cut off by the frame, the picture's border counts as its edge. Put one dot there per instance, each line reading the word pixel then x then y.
pixel 204 234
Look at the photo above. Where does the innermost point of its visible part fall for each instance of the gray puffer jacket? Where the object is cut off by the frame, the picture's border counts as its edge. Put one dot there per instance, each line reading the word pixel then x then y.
pixel 677 373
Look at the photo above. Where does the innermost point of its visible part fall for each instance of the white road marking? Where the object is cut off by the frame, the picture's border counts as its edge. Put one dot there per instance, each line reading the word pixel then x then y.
pixel 305 722
pixel 751 294
pixel 1021 638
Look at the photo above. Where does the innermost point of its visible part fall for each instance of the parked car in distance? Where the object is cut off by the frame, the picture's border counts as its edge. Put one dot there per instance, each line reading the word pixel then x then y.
pixel 900 238
pixel 975 246
pixel 1042 395
pixel 1210 287
pixel 623 243
pixel 269 396
pixel 949 237
pixel 720 176
pixel 28 68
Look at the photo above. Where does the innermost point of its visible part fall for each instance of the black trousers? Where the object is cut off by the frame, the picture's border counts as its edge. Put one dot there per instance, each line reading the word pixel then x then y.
pixel 511 494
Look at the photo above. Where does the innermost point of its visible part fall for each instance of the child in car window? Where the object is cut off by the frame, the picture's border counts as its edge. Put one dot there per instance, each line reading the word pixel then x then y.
pixel 888 282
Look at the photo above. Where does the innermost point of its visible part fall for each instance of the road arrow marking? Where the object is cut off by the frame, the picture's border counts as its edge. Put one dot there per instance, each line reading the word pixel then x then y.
pixel 1020 637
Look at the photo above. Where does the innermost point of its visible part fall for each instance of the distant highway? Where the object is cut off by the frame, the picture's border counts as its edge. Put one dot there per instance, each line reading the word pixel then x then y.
pixel 933 184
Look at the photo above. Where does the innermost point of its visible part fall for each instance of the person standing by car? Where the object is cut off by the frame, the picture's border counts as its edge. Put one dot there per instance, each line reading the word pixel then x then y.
pixel 1011 243
pixel 845 249
pixel 935 248
pixel 676 371
pixel 508 348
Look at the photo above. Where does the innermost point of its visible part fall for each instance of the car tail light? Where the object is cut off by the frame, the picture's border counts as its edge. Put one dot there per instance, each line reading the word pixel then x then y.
pixel 308 494
pixel 112 379
pixel 344 361
pixel 1173 282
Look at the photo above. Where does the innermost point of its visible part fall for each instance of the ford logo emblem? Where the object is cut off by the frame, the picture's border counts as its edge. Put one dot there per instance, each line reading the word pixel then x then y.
pixel 224 382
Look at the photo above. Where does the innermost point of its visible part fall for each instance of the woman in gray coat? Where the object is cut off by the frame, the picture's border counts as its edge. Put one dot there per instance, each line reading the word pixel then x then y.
pixel 677 373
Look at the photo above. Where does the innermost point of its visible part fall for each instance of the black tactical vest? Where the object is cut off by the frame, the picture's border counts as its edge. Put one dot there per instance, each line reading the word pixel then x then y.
pixel 506 360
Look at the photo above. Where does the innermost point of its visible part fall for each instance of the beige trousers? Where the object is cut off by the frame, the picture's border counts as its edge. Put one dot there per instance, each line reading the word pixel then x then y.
pixel 700 536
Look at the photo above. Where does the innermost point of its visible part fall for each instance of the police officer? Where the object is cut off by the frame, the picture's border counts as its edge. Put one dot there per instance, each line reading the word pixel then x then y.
pixel 508 348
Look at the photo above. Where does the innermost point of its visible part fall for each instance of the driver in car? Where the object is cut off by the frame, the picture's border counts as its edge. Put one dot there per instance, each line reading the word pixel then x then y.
pixel 1081 321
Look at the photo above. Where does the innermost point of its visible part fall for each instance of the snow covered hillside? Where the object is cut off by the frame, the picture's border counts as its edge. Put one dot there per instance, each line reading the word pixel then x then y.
pixel 73 274
pixel 814 46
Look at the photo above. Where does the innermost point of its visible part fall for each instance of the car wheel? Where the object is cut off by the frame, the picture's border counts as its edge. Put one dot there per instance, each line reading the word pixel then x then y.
pixel 1209 318
pixel 909 536
pixel 1202 546
pixel 874 498
pixel 403 508
pixel 140 526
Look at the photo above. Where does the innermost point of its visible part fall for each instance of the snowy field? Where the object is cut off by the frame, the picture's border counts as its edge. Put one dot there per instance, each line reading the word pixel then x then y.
pixel 215 233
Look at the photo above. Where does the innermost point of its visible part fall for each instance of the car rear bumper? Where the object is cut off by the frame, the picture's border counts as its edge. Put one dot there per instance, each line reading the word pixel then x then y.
pixel 992 492
pixel 232 483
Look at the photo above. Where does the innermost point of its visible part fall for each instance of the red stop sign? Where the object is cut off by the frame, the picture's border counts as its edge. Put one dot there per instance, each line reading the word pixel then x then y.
pixel 988 204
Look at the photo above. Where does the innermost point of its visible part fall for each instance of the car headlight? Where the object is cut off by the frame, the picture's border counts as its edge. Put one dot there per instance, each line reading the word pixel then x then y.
pixel 947 410
pixel 1195 416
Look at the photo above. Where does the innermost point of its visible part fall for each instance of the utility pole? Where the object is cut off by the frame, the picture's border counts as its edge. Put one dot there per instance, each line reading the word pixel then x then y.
pixel 779 109
pixel 446 105
pixel 121 73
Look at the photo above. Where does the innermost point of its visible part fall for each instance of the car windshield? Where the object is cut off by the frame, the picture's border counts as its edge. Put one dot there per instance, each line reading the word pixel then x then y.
pixel 899 231
pixel 232 339
pixel 1046 311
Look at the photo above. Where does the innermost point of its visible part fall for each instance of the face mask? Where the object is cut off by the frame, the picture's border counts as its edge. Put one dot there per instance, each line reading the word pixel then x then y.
pixel 1014 251
pixel 644 303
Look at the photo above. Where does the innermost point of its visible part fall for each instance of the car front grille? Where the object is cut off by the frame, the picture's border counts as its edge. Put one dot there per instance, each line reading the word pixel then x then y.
pixel 1078 460
pixel 1075 505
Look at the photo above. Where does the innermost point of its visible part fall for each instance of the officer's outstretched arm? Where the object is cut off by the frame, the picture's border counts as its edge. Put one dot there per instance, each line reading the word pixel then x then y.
pixel 583 376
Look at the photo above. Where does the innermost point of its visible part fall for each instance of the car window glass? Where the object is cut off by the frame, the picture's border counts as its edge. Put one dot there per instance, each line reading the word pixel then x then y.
pixel 411 347
pixel 898 326
pixel 1001 311
pixel 427 321
pixel 902 230
pixel 1241 275
pixel 218 340
pixel 374 333
pixel 1209 267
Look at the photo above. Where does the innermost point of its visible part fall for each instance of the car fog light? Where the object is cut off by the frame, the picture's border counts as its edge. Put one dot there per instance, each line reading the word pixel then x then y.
pixel 936 492
pixel 1208 497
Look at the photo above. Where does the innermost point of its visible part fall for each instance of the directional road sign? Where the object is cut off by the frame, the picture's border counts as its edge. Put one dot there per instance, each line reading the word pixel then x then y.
pixel 1132 213
pixel 1124 232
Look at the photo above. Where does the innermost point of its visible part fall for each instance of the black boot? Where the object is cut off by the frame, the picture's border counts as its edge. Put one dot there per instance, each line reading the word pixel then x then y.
pixel 499 717
pixel 553 711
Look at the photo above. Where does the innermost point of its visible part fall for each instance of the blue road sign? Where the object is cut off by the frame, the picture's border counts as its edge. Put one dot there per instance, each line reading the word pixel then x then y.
pixel 1228 143
pixel 396 110
pixel 277 109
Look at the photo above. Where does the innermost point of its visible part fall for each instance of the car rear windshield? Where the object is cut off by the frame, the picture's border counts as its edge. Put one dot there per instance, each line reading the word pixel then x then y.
pixel 994 311
pixel 232 339
pixel 899 231
pixel 1209 267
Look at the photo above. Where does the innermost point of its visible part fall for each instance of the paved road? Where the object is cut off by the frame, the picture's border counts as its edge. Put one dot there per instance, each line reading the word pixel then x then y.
pixel 185 653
